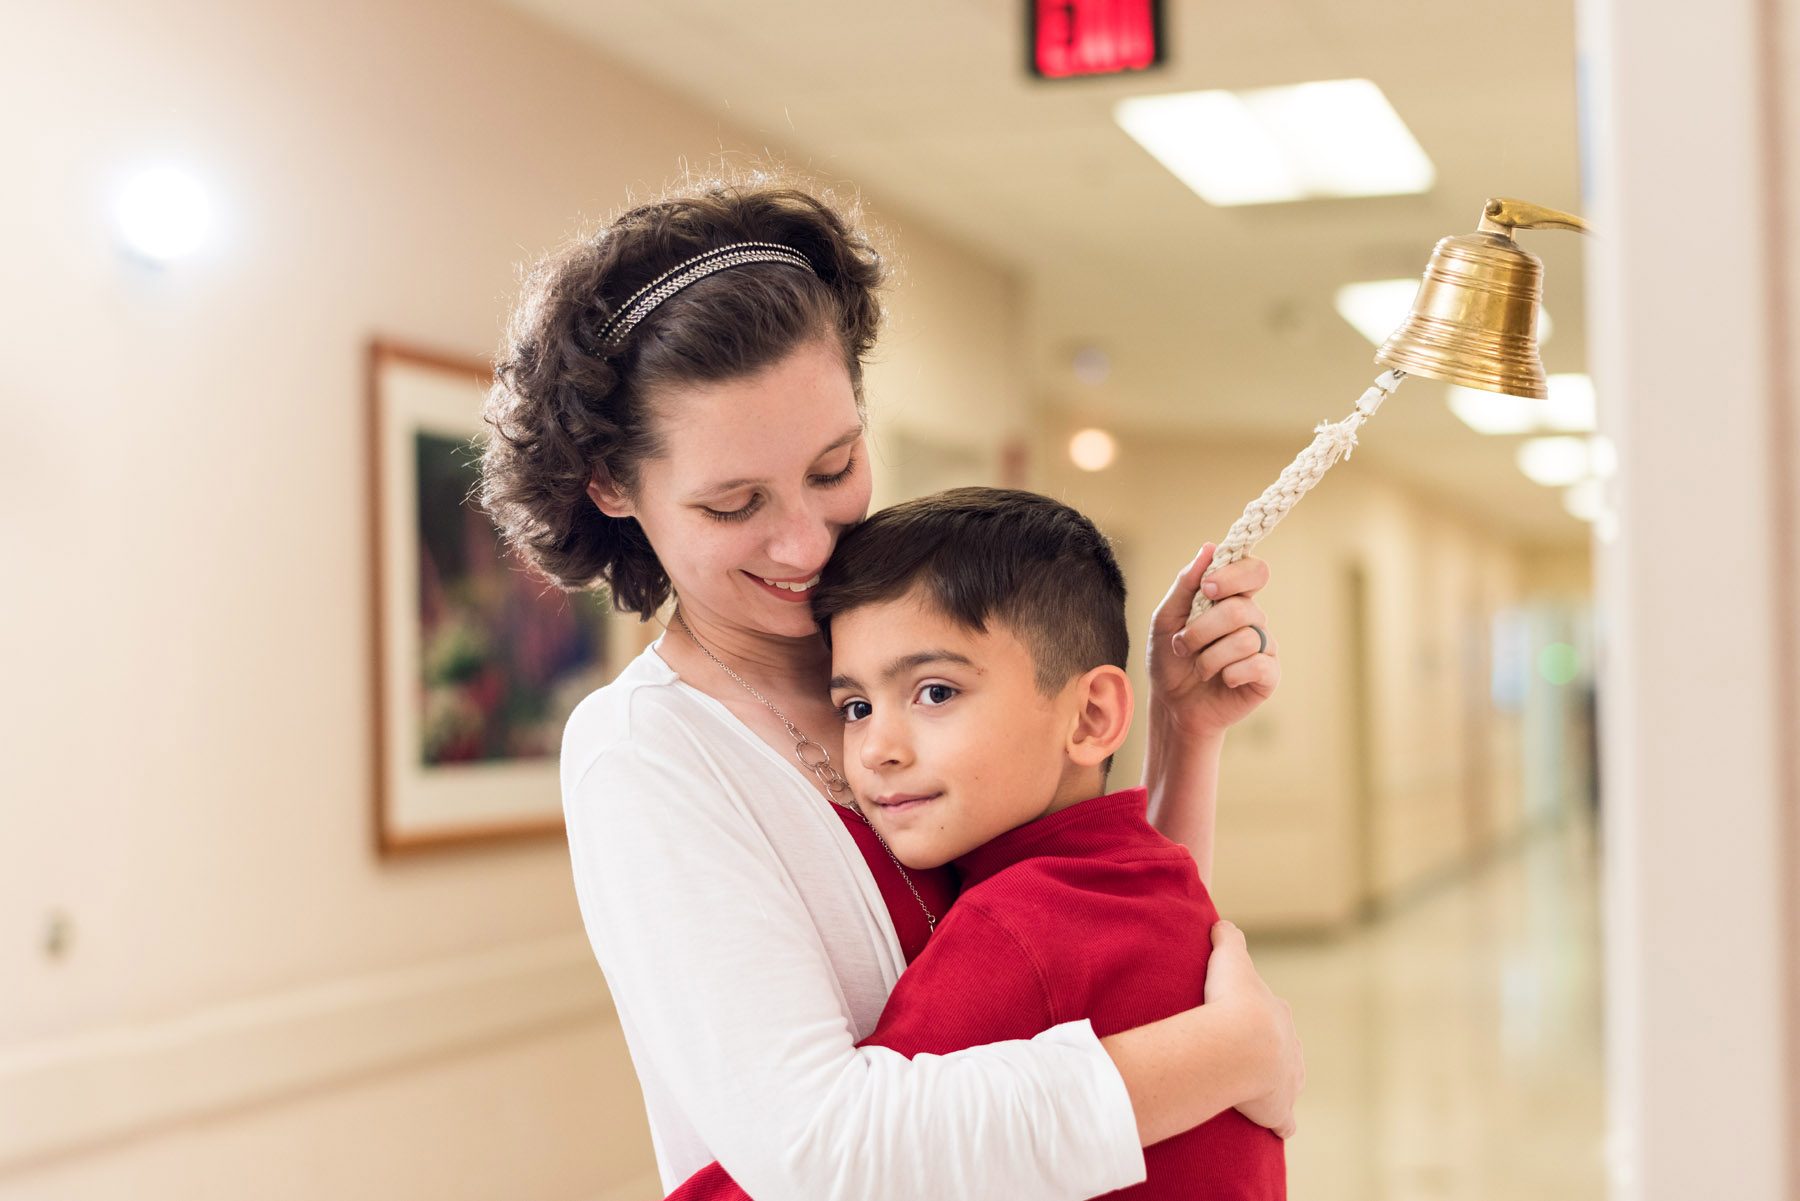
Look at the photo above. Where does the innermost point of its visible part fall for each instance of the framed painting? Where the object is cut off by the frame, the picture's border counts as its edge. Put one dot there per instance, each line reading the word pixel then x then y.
pixel 477 662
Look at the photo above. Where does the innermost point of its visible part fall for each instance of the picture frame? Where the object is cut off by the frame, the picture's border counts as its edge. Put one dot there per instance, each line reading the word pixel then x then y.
pixel 477 662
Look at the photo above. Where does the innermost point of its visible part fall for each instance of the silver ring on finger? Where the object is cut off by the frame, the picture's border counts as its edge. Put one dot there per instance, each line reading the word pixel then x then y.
pixel 1263 638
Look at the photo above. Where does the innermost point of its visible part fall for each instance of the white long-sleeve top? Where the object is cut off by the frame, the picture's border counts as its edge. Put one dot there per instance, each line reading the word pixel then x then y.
pixel 747 949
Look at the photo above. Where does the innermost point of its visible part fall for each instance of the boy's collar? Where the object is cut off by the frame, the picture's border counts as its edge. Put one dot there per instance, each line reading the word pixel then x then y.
pixel 1079 829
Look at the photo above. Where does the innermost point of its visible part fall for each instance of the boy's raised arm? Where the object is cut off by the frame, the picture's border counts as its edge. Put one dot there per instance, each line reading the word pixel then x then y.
pixel 1205 676
pixel 1181 773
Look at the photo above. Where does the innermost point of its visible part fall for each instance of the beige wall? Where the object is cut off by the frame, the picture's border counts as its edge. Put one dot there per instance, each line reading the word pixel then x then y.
pixel 251 1003
pixel 1441 764
pixel 1565 573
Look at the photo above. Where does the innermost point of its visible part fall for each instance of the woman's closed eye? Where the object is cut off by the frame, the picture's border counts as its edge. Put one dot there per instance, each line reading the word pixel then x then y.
pixel 739 514
pixel 755 502
pixel 836 477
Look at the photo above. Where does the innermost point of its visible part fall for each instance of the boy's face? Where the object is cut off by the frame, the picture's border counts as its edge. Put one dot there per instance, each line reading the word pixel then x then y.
pixel 947 740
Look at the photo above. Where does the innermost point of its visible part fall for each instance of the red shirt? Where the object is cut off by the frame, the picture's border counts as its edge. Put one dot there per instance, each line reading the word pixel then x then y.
pixel 1088 913
pixel 937 886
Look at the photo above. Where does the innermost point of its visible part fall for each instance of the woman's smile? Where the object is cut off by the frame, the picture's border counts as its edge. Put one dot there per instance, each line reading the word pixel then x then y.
pixel 795 590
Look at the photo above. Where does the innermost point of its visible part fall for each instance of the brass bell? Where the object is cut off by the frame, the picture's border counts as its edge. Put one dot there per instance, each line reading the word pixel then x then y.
pixel 1474 320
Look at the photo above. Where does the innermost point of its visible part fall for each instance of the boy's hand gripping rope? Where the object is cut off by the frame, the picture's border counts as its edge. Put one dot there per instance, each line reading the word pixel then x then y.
pixel 1332 441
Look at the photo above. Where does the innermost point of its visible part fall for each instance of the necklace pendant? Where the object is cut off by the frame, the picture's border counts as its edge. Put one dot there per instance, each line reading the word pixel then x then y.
pixel 829 777
pixel 812 765
pixel 822 767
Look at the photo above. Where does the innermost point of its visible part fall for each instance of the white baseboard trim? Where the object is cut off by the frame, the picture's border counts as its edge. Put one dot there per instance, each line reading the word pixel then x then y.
pixel 98 1087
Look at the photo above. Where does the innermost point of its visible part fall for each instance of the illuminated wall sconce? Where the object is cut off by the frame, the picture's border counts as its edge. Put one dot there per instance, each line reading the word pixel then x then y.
pixel 1092 450
pixel 162 214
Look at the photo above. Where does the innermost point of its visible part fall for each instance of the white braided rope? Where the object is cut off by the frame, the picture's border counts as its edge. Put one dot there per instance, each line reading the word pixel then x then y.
pixel 1331 441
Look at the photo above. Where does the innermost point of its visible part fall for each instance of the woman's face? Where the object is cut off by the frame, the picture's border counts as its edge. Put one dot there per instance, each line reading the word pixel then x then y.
pixel 759 477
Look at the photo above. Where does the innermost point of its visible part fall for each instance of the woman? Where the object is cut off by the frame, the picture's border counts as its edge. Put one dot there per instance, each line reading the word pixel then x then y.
pixel 679 411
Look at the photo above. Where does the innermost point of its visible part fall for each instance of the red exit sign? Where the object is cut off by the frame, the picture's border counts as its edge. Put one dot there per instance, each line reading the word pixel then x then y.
pixel 1094 37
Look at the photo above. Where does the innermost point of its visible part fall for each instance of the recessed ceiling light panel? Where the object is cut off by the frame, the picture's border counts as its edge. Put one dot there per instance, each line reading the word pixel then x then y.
pixel 1585 500
pixel 1571 405
pixel 1568 409
pixel 1377 307
pixel 1328 138
pixel 1559 461
pixel 1493 412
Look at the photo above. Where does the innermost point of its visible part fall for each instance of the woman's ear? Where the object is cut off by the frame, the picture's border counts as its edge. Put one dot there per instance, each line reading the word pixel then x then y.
pixel 606 494
pixel 1103 716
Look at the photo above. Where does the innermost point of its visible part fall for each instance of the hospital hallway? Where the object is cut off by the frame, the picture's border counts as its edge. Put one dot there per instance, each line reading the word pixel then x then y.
pixel 1453 1043
pixel 330 322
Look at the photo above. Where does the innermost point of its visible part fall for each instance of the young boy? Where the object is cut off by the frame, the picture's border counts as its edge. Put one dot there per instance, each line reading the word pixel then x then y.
pixel 978 647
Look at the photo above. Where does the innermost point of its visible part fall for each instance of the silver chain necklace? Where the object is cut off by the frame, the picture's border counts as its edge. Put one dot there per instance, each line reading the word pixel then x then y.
pixel 829 777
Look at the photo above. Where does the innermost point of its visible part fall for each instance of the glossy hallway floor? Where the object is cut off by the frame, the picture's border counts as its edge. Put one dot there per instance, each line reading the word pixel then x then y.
pixel 1453 1046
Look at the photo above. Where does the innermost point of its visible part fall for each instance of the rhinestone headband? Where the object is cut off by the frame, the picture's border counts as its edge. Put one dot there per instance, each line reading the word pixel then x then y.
pixel 646 298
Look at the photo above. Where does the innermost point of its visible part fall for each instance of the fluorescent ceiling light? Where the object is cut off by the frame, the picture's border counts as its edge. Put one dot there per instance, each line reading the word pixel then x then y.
pixel 1585 500
pixel 1603 456
pixel 1563 460
pixel 1568 409
pixel 1494 412
pixel 1337 137
pixel 1378 307
pixel 1571 406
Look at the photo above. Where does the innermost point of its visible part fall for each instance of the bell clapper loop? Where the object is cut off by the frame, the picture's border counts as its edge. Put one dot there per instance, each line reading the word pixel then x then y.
pixel 1380 390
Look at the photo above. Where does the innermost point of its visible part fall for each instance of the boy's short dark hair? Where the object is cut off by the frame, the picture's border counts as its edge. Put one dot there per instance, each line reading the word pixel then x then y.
pixel 977 555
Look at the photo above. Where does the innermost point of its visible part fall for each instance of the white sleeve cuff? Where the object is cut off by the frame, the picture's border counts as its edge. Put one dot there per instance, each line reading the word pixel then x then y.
pixel 1116 1155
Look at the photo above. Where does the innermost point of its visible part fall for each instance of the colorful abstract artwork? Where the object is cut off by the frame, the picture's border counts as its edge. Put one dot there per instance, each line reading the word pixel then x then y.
pixel 503 656
pixel 479 662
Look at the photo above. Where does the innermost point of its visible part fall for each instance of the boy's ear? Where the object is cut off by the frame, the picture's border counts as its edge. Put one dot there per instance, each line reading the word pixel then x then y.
pixel 606 494
pixel 1102 716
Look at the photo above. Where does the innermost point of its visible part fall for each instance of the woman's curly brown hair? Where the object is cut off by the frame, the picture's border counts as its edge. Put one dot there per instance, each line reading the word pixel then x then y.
pixel 563 411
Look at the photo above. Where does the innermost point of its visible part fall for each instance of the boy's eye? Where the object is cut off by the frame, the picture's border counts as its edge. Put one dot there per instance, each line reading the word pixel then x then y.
pixel 936 694
pixel 855 710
